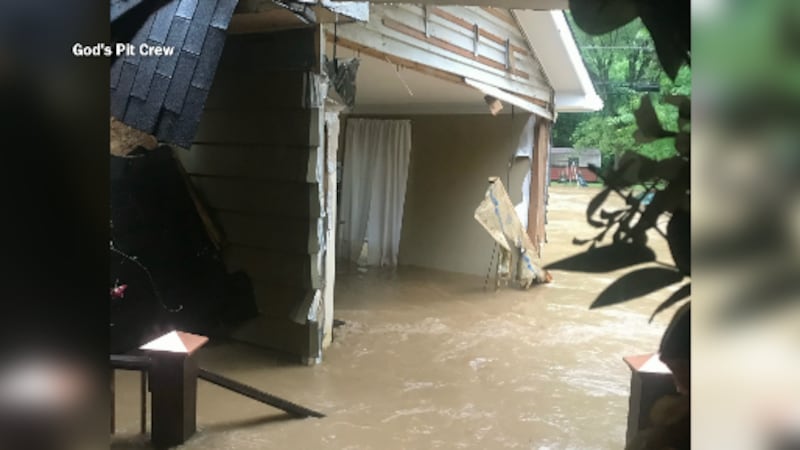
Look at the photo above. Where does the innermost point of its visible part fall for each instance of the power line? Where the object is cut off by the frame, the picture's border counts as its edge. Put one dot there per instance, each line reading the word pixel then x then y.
pixel 616 47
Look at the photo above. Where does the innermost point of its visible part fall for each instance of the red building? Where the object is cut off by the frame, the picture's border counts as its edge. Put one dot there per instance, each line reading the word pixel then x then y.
pixel 564 161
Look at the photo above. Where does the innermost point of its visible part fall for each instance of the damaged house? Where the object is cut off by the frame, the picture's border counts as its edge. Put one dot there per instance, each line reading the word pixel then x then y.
pixel 282 139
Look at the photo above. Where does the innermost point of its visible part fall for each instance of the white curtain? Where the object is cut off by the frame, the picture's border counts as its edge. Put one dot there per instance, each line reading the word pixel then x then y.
pixel 374 188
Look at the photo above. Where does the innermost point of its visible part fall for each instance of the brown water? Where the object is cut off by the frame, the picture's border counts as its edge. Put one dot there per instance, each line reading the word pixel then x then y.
pixel 429 360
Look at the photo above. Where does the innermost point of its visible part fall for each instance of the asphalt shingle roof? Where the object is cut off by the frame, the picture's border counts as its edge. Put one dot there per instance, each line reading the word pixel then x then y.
pixel 165 95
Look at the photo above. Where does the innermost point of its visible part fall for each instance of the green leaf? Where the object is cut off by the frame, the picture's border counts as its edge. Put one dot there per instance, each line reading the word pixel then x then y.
pixel 605 259
pixel 636 284
pixel 676 297
pixel 602 16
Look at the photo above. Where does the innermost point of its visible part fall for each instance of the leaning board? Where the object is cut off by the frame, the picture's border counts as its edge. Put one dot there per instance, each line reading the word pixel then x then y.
pixel 496 214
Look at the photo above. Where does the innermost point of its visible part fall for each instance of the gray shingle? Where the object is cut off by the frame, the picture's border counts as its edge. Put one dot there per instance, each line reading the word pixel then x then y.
pixel 179 85
pixel 223 13
pixel 204 12
pixel 166 126
pixel 134 114
pixel 116 70
pixel 144 114
pixel 209 58
pixel 147 68
pixel 119 101
pixel 185 129
pixel 177 35
pixel 195 37
pixel 140 37
pixel 186 8
pixel 163 22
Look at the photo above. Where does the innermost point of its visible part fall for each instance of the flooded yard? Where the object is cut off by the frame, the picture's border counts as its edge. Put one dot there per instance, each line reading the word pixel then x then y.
pixel 428 359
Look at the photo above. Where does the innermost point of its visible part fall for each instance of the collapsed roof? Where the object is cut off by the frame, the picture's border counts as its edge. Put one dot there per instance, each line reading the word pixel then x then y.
pixel 165 95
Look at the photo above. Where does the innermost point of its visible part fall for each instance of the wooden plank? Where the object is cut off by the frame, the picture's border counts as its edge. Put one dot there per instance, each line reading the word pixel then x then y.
pixel 211 228
pixel 539 175
pixel 501 14
pixel 255 394
pixel 416 34
pixel 483 32
pixel 289 127
pixel 491 23
pixel 444 30
pixel 407 63
pixel 536 101
pixel 392 42
pixel 263 162
pixel 510 98
pixel 468 15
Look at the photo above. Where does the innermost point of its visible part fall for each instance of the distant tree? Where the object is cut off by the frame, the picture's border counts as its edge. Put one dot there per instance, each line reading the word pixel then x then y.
pixel 622 64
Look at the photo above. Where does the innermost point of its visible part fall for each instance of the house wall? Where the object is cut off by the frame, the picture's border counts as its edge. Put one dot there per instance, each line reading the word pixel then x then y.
pixel 441 41
pixel 452 157
pixel 254 162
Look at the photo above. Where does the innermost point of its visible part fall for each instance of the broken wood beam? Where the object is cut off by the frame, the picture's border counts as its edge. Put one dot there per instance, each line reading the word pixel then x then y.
pixel 253 393
pixel 407 63
pixel 212 231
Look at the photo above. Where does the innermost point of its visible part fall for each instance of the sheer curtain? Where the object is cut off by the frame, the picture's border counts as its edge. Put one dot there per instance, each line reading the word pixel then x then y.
pixel 374 188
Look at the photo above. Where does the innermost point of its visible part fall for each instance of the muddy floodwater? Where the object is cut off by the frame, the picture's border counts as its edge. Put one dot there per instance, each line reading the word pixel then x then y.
pixel 430 360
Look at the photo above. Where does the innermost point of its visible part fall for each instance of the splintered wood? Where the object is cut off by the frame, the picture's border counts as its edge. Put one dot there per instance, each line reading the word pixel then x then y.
pixel 496 214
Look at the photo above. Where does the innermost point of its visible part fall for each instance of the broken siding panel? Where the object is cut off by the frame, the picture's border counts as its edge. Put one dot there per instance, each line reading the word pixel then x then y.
pixel 273 234
pixel 263 162
pixel 251 163
pixel 455 19
pixel 275 300
pixel 364 37
pixel 492 20
pixel 262 197
pixel 242 126
pixel 281 92
pixel 438 47
pixel 271 268
pixel 285 336
pixel 440 34
pixel 450 46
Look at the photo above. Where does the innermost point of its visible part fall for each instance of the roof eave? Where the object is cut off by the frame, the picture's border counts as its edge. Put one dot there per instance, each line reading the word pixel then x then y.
pixel 560 59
